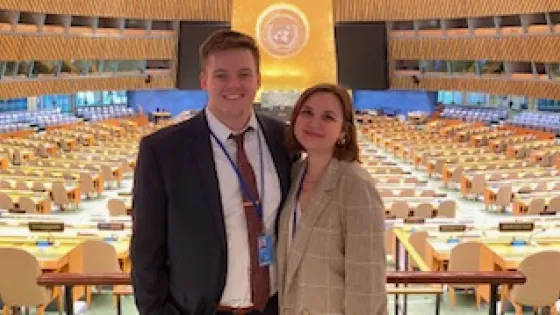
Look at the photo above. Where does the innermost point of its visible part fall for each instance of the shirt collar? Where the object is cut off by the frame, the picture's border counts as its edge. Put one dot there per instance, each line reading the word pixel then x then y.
pixel 223 132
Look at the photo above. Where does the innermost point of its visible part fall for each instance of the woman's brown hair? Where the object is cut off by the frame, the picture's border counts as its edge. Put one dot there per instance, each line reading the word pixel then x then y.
pixel 346 150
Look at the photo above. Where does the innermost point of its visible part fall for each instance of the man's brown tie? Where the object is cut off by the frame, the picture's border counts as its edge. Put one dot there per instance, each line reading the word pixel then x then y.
pixel 260 282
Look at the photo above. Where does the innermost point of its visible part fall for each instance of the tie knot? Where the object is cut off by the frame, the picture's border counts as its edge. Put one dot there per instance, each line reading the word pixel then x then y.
pixel 238 138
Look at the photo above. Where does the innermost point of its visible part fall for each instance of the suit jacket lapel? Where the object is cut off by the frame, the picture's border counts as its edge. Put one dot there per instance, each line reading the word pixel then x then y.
pixel 204 157
pixel 286 217
pixel 315 207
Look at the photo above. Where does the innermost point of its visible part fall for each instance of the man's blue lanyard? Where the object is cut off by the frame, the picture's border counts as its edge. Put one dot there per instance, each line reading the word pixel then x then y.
pixel 296 202
pixel 254 200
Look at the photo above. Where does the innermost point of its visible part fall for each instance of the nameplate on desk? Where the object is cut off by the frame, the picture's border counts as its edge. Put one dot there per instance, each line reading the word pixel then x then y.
pixel 516 226
pixel 414 220
pixel 15 210
pixel 46 226
pixel 104 226
pixel 452 228
pixel 390 217
pixel 547 213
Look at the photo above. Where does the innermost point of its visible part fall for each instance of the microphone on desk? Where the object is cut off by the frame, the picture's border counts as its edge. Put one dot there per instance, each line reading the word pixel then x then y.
pixel 50 241
pixel 516 242
pixel 530 239
pixel 110 238
pixel 521 242
pixel 453 240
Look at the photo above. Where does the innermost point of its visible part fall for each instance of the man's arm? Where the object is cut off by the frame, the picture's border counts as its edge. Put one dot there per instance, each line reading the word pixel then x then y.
pixel 150 275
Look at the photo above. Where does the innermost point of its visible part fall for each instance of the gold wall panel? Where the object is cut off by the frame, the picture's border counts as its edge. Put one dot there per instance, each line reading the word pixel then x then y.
pixel 344 10
pixel 530 48
pixel 59 47
pixel 537 89
pixel 394 10
pixel 296 39
pixel 16 89
pixel 199 10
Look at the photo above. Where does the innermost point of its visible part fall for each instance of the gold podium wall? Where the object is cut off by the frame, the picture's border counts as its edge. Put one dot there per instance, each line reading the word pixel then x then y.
pixel 296 39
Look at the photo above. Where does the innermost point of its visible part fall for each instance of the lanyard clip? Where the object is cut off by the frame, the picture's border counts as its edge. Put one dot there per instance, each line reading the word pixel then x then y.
pixel 248 204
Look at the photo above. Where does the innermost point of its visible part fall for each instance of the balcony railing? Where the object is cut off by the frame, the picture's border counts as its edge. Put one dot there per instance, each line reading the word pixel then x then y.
pixel 493 278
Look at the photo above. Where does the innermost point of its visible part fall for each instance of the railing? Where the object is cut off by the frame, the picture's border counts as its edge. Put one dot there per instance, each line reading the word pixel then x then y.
pixel 511 31
pixel 81 31
pixel 493 278
pixel 405 252
pixel 67 75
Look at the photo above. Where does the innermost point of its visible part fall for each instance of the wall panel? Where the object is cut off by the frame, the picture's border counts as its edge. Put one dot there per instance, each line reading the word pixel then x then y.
pixel 393 10
pixel 541 89
pixel 201 10
pixel 530 48
pixel 303 60
pixel 344 10
pixel 17 89
pixel 59 47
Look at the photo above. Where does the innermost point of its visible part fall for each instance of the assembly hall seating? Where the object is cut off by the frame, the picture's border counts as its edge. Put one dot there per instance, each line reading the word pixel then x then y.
pixel 463 155
pixel 545 121
pixel 485 114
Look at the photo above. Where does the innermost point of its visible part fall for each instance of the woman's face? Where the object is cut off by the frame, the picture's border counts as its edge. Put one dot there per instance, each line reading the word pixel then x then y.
pixel 319 123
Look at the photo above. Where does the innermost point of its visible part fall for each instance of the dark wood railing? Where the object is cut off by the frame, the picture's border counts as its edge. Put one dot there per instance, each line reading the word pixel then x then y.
pixel 493 278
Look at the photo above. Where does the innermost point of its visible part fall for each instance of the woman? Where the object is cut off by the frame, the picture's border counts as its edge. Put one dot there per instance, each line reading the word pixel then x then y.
pixel 331 256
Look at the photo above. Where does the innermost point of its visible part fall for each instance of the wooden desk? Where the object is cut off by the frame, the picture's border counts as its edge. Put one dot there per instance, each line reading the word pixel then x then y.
pixel 506 256
pixel 56 257
pixel 500 144
pixel 30 143
pixel 71 143
pixel 41 200
pixel 39 172
pixel 517 186
pixel 413 203
pixel 538 156
pixel 385 169
pixel 513 150
pixel 449 170
pixel 521 202
pixel 399 185
pixel 423 158
pixel 413 150
pixel 77 165
pixel 526 172
pixel 483 139
pixel 418 191
pixel 466 159
pixel 499 256
pixel 10 149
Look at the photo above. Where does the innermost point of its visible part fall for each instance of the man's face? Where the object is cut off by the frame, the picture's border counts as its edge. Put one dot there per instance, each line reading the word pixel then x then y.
pixel 231 80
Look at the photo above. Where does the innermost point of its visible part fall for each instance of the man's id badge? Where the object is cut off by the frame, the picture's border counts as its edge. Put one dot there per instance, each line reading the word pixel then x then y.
pixel 266 250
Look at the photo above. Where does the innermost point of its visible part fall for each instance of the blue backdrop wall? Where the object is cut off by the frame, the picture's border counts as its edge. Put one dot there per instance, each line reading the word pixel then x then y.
pixel 399 101
pixel 174 101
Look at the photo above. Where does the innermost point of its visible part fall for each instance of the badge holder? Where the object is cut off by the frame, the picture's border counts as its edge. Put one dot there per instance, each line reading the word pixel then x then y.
pixel 266 250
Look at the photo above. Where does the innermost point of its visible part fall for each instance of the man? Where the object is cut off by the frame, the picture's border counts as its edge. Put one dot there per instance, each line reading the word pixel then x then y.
pixel 206 197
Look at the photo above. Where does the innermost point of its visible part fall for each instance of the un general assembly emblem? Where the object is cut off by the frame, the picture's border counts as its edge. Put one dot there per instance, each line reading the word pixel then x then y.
pixel 282 30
